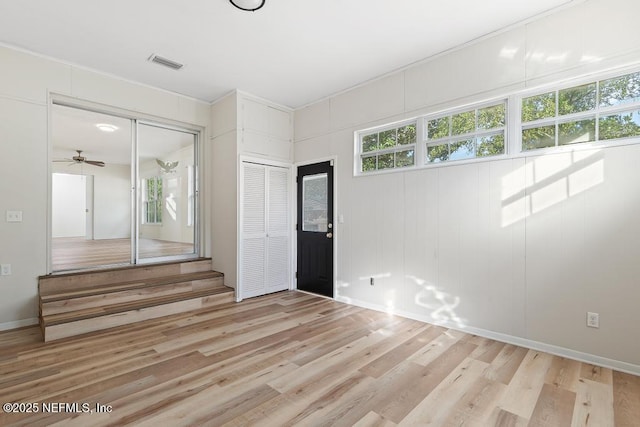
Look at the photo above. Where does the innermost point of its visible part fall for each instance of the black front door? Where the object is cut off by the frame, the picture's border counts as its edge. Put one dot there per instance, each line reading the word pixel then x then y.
pixel 315 228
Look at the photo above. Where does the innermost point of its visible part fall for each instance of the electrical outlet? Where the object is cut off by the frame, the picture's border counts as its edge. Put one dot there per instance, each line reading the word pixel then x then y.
pixel 593 320
pixel 5 269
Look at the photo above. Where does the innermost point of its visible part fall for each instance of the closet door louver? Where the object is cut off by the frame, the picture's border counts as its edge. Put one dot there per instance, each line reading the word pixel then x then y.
pixel 278 259
pixel 253 231
pixel 265 240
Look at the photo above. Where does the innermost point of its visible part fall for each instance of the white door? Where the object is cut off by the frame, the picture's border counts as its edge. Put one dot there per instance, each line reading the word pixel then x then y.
pixel 278 243
pixel 265 237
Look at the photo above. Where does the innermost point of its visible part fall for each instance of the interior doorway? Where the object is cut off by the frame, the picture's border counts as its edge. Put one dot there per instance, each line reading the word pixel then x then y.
pixel 123 190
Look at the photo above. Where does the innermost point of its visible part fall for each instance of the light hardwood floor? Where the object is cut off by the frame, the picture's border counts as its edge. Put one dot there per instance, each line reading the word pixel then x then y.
pixel 295 359
pixel 72 253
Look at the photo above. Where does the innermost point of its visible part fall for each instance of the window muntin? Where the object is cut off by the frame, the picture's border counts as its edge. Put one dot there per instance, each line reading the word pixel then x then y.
pixel 596 111
pixel 389 148
pixel 469 134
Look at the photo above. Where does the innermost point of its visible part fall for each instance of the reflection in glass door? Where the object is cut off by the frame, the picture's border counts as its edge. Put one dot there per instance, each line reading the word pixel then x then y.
pixel 90 189
pixel 166 227
pixel 123 191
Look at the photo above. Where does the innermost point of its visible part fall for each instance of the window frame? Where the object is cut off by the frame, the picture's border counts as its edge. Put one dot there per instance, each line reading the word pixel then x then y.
pixel 360 154
pixel 475 107
pixel 513 124
pixel 596 113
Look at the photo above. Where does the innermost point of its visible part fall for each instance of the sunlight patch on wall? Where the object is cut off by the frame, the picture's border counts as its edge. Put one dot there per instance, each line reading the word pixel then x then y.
pixel 339 295
pixel 442 305
pixel 590 58
pixel 548 57
pixel 508 52
pixel 171 206
pixel 390 298
pixel 548 180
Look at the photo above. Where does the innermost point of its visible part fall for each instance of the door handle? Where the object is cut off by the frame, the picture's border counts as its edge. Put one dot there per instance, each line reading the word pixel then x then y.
pixel 329 235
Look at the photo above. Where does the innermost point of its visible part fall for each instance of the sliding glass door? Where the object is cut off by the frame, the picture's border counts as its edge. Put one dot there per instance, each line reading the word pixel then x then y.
pixel 167 192
pixel 91 198
pixel 123 191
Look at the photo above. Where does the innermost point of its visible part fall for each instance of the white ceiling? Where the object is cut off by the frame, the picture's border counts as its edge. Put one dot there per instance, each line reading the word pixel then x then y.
pixel 292 52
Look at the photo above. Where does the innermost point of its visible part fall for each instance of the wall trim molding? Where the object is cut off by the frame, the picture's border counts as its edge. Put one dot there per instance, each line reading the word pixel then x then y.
pixel 555 350
pixel 18 324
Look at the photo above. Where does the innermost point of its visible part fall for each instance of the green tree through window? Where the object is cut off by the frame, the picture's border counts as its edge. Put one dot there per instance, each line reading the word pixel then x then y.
pixel 388 149
pixel 585 113
pixel 152 203
pixel 466 135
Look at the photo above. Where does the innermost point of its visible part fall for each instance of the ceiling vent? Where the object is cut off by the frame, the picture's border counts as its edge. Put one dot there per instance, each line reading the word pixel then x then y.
pixel 165 62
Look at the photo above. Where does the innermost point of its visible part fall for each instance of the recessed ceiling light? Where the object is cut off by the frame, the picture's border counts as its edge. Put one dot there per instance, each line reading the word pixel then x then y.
pixel 104 127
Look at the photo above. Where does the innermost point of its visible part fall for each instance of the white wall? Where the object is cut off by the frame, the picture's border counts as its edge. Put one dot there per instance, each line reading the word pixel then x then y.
pixel 112 199
pixel 68 204
pixel 242 124
pixel 518 248
pixel 26 83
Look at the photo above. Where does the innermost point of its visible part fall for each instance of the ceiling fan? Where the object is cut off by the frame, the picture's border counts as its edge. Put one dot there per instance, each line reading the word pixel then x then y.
pixel 81 159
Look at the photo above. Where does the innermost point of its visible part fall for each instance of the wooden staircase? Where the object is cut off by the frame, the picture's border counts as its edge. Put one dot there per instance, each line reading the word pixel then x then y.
pixel 77 303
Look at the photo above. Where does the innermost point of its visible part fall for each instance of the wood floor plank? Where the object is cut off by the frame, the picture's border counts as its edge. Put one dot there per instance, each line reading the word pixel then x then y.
pixel 553 408
pixel 374 420
pixel 422 385
pixel 626 399
pixel 295 359
pixel 440 403
pixel 502 418
pixel 437 347
pixel 487 350
pixel 476 405
pixel 593 405
pixel 418 340
pixel 596 373
pixel 525 386
pixel 564 373
pixel 506 364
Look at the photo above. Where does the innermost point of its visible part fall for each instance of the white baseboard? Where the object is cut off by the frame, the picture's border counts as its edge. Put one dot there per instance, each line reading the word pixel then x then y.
pixel 604 362
pixel 18 324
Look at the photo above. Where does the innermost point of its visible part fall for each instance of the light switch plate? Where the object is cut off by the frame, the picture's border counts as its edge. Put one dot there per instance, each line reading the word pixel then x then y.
pixel 14 216
pixel 5 269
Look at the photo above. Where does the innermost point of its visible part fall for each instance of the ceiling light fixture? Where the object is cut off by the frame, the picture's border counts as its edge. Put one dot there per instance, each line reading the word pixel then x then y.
pixel 104 127
pixel 248 5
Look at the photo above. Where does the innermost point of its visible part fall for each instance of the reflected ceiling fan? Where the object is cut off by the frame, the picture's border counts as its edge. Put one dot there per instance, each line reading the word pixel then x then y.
pixel 81 159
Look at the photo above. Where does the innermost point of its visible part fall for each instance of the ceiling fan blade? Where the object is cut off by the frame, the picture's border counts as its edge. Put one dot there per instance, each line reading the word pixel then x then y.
pixel 94 163
pixel 62 160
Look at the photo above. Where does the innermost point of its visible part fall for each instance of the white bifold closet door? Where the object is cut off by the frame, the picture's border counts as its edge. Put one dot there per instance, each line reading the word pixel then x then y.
pixel 265 240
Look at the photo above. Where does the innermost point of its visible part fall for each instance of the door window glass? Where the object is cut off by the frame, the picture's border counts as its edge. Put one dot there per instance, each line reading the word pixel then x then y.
pixel 314 203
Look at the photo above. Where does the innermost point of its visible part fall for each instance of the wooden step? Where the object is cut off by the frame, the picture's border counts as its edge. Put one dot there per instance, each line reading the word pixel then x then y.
pixel 216 277
pixel 67 282
pixel 57 326
pixel 91 312
pixel 128 292
pixel 78 303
